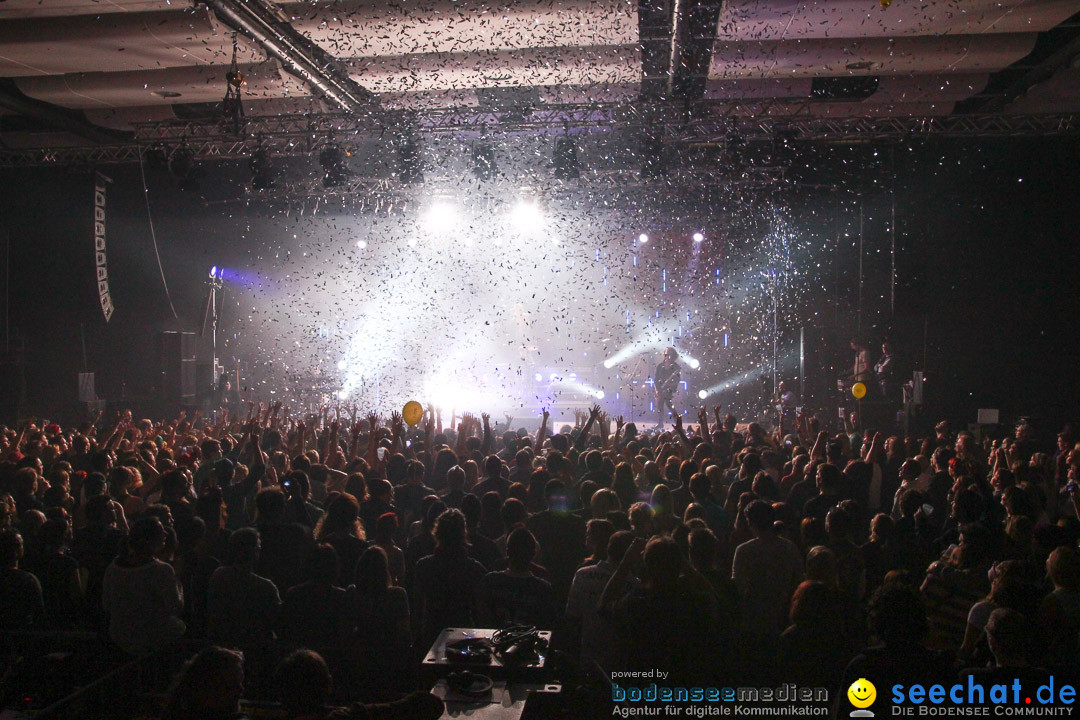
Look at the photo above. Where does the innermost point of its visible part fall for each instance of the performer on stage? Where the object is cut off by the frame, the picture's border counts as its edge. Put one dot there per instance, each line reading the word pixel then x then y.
pixel 862 371
pixel 666 383
pixel 887 372
pixel 785 403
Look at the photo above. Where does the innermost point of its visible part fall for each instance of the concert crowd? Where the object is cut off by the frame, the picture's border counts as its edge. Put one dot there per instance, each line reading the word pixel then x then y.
pixel 315 558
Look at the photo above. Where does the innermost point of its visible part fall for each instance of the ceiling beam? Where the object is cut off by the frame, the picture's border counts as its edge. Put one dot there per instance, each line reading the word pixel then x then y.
pixel 1053 50
pixel 268 27
pixel 59 118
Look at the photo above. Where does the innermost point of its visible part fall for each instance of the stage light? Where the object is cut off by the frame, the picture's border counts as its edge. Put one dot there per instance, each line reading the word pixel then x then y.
pixel 609 363
pixel 335 171
pixel 527 217
pixel 182 165
pixel 342 394
pixel 213 271
pixel 410 166
pixel 691 362
pixel 263 174
pixel 698 237
pixel 539 377
pixel 566 160
pixel 441 217
pixel 412 242
pixel 702 394
pixel 643 238
pixel 484 161
pixel 599 394
pixel 341 365
pixel 361 244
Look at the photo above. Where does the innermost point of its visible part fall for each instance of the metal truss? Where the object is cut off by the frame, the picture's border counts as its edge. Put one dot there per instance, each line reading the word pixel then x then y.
pixel 702 122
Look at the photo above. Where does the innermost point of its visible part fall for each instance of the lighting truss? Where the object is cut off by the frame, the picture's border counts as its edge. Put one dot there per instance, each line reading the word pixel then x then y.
pixel 702 122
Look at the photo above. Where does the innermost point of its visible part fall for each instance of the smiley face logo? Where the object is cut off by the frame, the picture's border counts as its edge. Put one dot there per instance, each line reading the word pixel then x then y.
pixel 862 693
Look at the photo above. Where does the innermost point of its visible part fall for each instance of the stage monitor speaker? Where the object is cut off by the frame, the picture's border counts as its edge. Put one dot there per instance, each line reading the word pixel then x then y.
pixel 178 367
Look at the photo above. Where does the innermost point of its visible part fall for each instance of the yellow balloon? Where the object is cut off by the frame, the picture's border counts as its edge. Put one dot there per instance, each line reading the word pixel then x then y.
pixel 858 390
pixel 412 412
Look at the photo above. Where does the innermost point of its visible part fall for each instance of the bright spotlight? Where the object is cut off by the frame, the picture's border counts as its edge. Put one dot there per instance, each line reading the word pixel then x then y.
pixel 702 394
pixel 643 238
pixel 691 362
pixel 361 244
pixel 527 217
pixel 599 394
pixel 441 217
pixel 412 242
pixel 341 365
pixel 213 271
pixel 698 237
pixel 342 394
pixel 609 363
pixel 539 377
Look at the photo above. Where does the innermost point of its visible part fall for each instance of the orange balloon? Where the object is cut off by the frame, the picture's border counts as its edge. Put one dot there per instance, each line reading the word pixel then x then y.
pixel 412 412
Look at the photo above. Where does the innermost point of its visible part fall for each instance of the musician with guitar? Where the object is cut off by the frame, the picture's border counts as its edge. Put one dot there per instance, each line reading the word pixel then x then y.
pixel 666 383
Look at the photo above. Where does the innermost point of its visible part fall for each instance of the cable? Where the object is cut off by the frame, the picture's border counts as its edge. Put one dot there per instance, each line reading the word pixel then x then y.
pixel 153 235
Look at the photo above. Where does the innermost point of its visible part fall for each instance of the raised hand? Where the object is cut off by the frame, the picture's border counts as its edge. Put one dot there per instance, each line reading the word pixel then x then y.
pixel 678 423
pixel 547 415
pixel 396 423
pixel 466 424
pixel 373 421
pixel 594 412
pixel 619 423
pixel 509 421
pixel 486 418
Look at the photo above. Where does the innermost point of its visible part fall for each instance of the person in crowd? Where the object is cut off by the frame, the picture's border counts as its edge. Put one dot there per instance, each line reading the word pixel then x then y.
pixel 561 537
pixel 515 596
pixel 766 571
pixel 209 687
pixel 141 594
pixel 666 622
pixel 304 684
pixel 314 614
pixel 386 527
pixel 20 592
pixel 285 545
pixel 241 606
pixel 447 582
pixel 592 634
pixel 341 529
